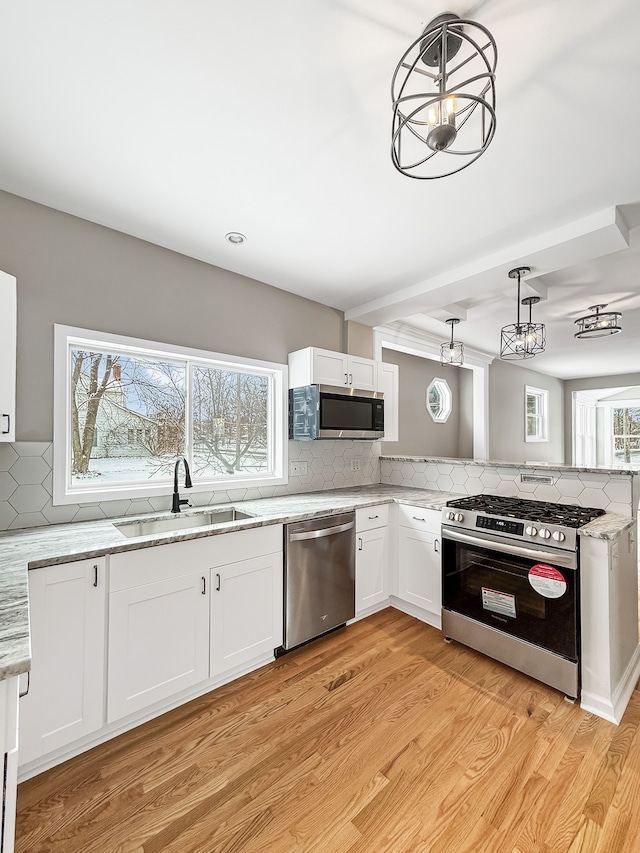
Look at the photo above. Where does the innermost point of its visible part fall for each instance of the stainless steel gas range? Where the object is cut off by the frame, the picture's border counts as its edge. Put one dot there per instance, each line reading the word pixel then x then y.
pixel 510 583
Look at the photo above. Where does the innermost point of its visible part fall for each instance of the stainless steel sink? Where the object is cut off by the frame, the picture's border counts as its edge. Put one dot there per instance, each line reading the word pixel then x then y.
pixel 210 518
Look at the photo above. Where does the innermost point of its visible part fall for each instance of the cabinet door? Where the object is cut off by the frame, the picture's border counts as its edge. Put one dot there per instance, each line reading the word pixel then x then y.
pixel 372 567
pixel 158 642
pixel 246 611
pixel 9 766
pixel 419 572
pixel 8 320
pixel 363 373
pixel 330 368
pixel 66 684
pixel 388 384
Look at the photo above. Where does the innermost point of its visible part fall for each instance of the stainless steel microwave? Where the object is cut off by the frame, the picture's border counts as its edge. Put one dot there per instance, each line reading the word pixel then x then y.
pixel 322 411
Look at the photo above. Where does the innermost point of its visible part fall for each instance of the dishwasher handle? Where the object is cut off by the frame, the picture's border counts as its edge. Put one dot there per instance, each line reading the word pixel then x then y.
pixel 317 534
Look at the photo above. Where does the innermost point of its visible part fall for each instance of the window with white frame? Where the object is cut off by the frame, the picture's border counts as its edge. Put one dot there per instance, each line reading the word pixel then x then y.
pixel 625 434
pixel 439 401
pixel 125 409
pixel 536 414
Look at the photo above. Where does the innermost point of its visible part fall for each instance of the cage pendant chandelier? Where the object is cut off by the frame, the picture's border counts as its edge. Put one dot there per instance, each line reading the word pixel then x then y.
pixel 444 99
pixel 599 323
pixel 452 353
pixel 522 339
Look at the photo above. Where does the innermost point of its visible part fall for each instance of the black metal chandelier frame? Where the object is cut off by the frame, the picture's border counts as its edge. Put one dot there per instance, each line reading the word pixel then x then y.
pixel 522 340
pixel 441 119
pixel 452 353
pixel 599 323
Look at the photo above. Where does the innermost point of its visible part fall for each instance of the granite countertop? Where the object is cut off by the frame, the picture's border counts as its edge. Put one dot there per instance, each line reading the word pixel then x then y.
pixel 33 548
pixel 629 471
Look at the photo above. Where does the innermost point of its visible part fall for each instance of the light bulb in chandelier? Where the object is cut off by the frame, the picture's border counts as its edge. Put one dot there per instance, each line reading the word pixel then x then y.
pixel 441 118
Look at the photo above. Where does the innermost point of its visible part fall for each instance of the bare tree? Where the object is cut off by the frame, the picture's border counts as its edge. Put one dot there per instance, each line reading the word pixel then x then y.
pixel 85 383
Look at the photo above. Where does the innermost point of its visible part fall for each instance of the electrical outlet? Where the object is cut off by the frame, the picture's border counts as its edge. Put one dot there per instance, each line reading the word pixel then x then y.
pixel 355 464
pixel 297 468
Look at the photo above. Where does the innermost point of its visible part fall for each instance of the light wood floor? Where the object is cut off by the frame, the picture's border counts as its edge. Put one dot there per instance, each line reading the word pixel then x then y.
pixel 379 737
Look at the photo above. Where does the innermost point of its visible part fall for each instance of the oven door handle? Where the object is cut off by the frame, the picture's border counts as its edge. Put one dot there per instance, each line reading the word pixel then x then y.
pixel 566 559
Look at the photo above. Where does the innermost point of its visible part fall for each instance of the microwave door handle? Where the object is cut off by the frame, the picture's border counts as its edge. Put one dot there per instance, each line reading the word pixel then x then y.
pixel 557 558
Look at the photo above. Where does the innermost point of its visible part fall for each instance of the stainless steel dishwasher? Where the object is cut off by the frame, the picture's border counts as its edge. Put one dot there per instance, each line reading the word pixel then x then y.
pixel 319 577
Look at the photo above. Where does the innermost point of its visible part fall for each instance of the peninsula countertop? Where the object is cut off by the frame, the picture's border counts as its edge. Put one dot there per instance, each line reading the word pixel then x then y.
pixel 32 548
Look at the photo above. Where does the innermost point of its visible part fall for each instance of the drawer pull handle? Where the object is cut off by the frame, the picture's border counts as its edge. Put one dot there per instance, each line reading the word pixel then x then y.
pixel 204 585
pixel 415 518
pixel 436 546
pixel 95 574
pixel 360 545
pixel 219 582
pixel 371 517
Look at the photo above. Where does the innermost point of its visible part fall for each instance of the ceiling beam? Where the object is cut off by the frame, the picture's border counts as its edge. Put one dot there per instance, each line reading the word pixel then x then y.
pixel 591 237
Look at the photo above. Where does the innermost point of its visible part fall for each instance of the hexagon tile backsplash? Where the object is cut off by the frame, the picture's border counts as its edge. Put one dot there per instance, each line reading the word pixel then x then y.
pixel 26 482
pixel 613 492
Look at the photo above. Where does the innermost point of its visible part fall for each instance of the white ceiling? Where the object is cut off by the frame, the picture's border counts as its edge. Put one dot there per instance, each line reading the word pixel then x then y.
pixel 177 122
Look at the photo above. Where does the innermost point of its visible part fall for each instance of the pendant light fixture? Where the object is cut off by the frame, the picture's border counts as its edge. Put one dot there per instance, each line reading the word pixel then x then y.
pixel 444 98
pixel 522 340
pixel 599 323
pixel 536 333
pixel 453 352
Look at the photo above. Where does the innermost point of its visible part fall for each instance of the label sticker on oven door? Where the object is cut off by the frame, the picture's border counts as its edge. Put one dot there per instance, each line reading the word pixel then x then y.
pixel 548 581
pixel 499 602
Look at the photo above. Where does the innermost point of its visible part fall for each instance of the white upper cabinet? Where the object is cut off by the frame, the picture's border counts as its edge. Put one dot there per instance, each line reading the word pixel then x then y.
pixel 314 366
pixel 388 384
pixel 8 327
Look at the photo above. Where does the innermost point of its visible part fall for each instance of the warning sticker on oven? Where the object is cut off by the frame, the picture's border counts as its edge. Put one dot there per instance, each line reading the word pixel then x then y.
pixel 547 581
pixel 499 602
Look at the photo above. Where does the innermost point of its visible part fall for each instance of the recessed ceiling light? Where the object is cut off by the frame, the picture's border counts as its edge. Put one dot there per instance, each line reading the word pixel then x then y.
pixel 235 237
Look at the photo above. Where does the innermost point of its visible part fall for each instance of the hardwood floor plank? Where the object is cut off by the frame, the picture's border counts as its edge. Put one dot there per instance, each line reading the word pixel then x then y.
pixel 379 738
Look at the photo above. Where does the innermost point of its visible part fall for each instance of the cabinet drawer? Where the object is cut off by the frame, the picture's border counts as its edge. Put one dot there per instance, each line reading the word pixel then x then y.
pixel 419 518
pixel 371 517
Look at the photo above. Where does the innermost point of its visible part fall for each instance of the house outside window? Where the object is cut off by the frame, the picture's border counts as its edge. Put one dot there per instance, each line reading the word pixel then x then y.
pixel 439 400
pixel 536 414
pixel 125 409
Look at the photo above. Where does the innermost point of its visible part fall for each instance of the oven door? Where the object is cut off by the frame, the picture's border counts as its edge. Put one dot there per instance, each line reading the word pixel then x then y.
pixel 528 592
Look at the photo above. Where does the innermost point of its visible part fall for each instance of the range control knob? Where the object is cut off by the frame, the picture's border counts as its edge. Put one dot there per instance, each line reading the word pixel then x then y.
pixel 531 530
pixel 544 533
pixel 558 535
pixel 451 516
pixel 459 516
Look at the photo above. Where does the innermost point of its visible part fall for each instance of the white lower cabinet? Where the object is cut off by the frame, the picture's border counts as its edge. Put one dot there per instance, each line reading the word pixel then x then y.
pixel 9 759
pixel 65 700
pixel 158 640
pixel 372 557
pixel 246 611
pixel 419 567
pixel 182 613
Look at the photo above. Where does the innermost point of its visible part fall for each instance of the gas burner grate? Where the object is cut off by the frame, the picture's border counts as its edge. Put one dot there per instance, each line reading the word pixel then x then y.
pixel 567 515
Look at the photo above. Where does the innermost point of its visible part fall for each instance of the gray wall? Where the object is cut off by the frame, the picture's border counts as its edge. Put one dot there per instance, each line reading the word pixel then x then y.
pixel 418 434
pixel 507 383
pixel 619 380
pixel 77 273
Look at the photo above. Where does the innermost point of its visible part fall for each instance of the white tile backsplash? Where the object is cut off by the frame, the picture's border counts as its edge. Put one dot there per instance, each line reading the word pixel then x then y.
pixel 26 483
pixel 617 493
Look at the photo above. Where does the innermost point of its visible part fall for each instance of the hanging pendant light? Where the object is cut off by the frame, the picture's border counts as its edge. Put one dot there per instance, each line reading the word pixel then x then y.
pixel 536 334
pixel 444 98
pixel 599 323
pixel 453 352
pixel 522 340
